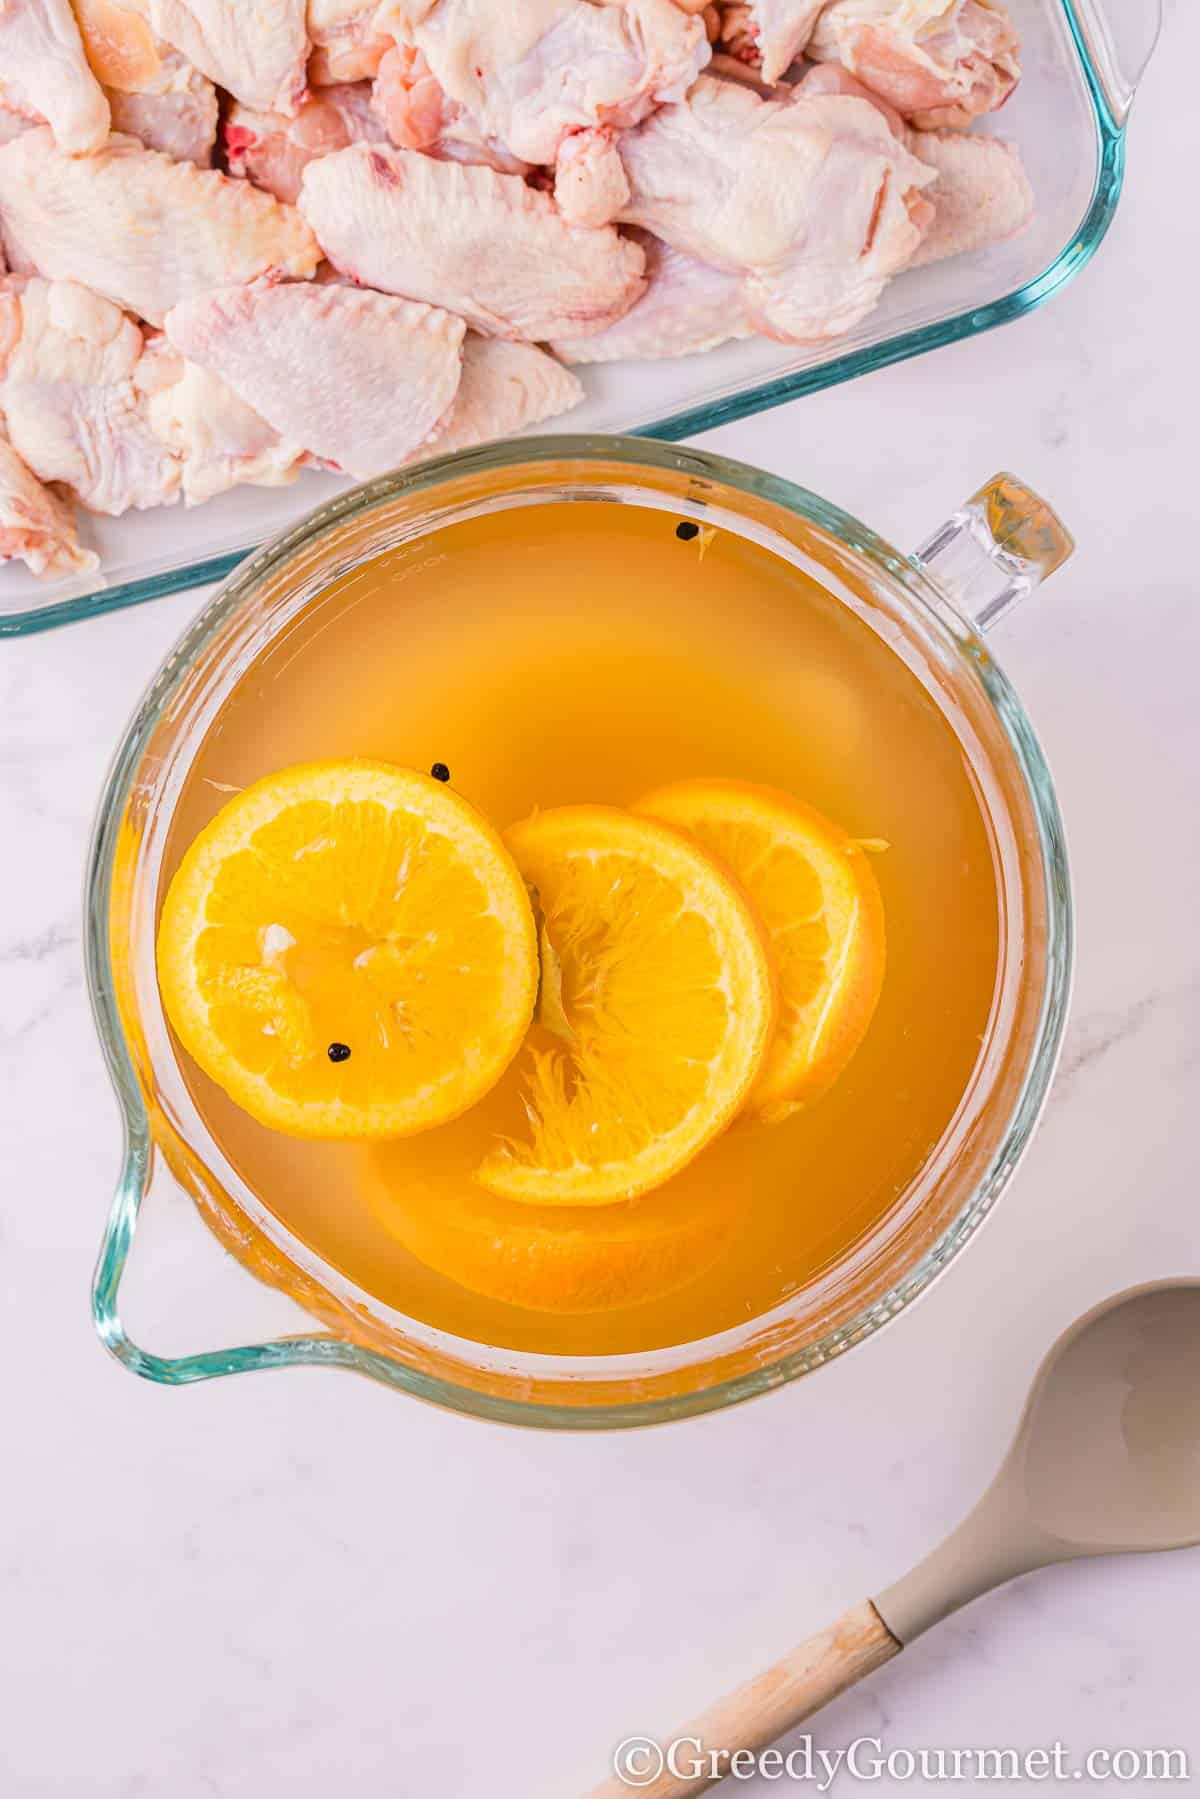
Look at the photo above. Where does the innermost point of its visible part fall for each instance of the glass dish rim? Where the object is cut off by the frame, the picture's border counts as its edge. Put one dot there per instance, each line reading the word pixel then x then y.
pixel 321 1349
pixel 762 397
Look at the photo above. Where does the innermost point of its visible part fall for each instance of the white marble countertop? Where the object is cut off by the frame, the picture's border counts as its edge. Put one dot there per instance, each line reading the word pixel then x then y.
pixel 303 1584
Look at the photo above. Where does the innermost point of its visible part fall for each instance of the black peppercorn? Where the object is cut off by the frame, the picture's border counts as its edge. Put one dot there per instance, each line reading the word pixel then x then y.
pixel 440 772
pixel 339 1052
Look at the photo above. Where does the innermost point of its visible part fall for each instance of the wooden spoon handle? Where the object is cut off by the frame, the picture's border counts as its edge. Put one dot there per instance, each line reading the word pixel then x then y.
pixel 764 1709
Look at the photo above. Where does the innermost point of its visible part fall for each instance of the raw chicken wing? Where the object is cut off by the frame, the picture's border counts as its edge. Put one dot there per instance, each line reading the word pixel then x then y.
pixel 533 73
pixel 67 393
pixel 768 35
pixel 981 196
pixel 360 379
pixel 347 45
pixel 273 151
pixel 420 115
pixel 140 228
pixel 154 93
pixel 218 441
pixel 939 62
pixel 413 104
pixel 831 78
pixel 590 187
pixel 480 244
pixel 257 49
pixel 35 524
pixel 44 72
pixel 504 387
pixel 181 121
pixel 687 307
pixel 813 200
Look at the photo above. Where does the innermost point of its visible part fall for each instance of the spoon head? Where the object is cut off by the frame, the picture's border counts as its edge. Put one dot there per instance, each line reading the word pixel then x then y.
pixel 1107 1456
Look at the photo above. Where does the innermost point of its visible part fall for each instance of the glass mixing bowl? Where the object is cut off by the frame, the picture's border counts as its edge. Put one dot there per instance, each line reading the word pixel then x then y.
pixel 198 1266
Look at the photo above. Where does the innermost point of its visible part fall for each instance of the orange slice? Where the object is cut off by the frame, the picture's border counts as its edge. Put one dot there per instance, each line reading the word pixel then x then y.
pixel 552 1259
pixel 815 891
pixel 561 1259
pixel 657 979
pixel 349 951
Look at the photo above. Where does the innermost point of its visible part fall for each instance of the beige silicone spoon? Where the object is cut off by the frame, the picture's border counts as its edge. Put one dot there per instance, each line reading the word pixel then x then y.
pixel 1106 1460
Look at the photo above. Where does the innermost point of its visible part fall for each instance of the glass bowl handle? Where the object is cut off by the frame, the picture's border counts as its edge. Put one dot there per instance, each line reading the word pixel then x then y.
pixel 1119 37
pixel 995 549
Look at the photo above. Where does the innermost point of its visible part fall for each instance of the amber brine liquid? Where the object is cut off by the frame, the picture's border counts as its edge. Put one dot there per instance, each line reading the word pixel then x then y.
pixel 552 654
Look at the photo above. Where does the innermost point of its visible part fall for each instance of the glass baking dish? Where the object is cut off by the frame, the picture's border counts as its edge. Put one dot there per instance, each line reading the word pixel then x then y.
pixel 1082 62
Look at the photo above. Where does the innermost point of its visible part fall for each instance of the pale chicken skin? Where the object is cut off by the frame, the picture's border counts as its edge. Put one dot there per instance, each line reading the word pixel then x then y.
pixel 939 62
pixel 69 398
pixel 13 124
pixel 813 201
pixel 418 114
pixel 532 74
pixel 768 35
pixel 218 440
pixel 36 527
pixel 296 351
pixel 414 106
pixel 273 151
pixel 256 49
pixel 831 78
pixel 45 75
pixel 590 185
pixel 505 387
pixel 480 244
pixel 687 307
pixel 181 121
pixel 123 420
pixel 121 46
pixel 981 195
pixel 143 230
pixel 153 93
pixel 347 45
